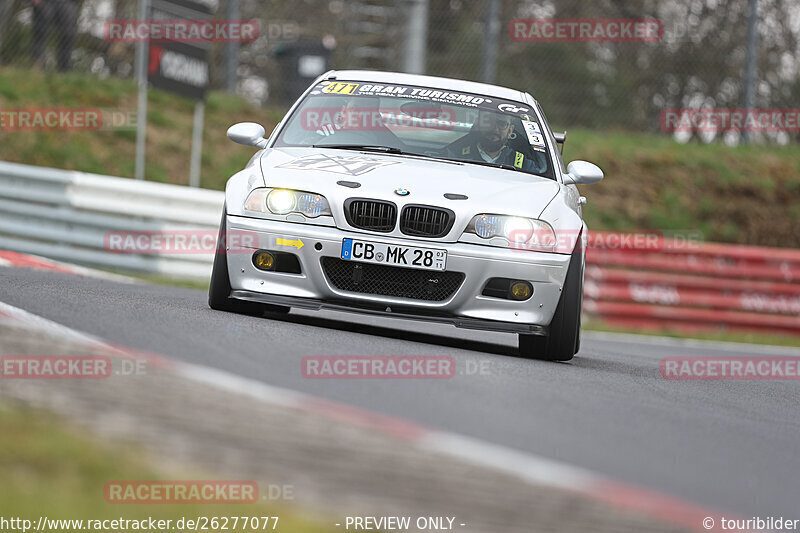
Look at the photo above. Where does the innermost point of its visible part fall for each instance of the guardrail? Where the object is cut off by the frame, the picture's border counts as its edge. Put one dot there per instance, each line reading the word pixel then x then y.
pixel 67 215
pixel 681 285
pixel 695 286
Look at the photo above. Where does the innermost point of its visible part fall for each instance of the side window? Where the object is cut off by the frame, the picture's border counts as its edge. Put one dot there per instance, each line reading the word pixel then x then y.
pixel 559 160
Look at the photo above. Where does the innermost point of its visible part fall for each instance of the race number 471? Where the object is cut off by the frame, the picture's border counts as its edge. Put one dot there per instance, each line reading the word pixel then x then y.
pixel 340 88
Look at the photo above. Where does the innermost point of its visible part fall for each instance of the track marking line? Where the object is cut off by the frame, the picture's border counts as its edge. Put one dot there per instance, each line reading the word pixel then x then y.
pixel 20 260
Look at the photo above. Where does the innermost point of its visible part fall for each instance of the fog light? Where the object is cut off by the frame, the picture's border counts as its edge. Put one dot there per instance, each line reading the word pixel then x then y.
pixel 521 290
pixel 263 260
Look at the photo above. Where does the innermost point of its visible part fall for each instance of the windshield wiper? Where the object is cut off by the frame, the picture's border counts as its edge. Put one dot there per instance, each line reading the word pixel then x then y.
pixel 504 166
pixel 362 147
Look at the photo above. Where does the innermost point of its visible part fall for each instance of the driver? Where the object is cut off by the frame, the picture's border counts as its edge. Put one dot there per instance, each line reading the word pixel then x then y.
pixel 488 141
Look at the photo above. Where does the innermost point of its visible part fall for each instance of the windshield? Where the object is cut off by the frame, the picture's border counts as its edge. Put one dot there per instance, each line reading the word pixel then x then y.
pixel 420 121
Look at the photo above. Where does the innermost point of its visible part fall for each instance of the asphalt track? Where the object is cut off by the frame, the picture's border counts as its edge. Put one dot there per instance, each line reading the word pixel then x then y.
pixel 733 446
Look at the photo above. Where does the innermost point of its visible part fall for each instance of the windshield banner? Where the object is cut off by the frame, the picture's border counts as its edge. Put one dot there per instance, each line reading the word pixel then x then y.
pixel 422 94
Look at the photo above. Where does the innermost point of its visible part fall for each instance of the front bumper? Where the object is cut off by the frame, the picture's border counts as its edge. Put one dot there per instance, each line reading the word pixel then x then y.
pixel 466 307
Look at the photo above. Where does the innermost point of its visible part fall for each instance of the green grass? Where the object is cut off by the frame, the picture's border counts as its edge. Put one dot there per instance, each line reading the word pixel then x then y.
pixel 723 336
pixel 51 469
pixel 743 194
pixel 169 132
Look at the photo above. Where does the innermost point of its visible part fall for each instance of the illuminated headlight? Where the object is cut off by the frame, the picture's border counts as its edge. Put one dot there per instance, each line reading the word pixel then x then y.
pixel 285 201
pixel 281 201
pixel 520 232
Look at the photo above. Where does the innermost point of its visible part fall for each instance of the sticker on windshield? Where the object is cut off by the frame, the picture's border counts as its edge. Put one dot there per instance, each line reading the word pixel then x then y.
pixel 340 88
pixel 421 95
pixel 349 165
pixel 534 126
pixel 533 132
pixel 511 108
pixel 404 91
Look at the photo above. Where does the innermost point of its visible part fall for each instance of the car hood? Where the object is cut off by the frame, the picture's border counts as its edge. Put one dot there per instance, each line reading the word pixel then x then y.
pixel 379 176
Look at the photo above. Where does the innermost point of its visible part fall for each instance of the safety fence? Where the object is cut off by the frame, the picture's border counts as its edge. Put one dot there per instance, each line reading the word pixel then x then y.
pixel 68 215
pixel 695 286
pixel 682 285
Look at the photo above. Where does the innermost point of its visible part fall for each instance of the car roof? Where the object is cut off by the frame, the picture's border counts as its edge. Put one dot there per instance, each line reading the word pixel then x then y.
pixel 377 76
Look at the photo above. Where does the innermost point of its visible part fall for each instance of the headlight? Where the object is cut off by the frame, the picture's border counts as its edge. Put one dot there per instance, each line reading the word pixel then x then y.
pixel 527 233
pixel 281 201
pixel 312 205
pixel 285 201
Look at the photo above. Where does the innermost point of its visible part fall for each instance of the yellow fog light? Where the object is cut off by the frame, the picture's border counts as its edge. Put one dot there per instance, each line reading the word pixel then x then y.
pixel 263 260
pixel 521 290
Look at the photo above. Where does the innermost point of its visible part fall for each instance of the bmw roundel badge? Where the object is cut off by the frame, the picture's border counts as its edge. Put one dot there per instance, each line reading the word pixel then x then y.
pixel 402 192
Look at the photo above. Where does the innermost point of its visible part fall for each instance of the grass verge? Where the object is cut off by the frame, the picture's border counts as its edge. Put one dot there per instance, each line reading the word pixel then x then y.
pixel 722 336
pixel 743 194
pixel 52 469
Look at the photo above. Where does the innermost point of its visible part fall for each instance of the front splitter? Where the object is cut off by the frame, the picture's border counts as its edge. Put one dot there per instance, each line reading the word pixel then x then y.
pixel 389 312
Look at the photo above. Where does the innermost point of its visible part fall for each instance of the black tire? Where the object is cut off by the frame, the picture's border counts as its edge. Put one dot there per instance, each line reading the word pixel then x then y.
pixel 219 290
pixel 580 306
pixel 563 341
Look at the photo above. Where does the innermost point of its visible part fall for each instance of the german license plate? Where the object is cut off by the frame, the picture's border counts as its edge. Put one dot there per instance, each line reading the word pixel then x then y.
pixel 393 255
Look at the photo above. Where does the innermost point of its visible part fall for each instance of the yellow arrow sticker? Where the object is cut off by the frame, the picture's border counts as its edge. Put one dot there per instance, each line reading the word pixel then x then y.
pixel 288 242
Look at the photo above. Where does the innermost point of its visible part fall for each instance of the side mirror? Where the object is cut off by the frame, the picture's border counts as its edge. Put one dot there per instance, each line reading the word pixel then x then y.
pixel 248 134
pixel 561 139
pixel 582 172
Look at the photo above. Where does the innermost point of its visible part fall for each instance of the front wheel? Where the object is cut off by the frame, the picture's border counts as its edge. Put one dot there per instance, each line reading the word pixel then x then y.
pixel 219 290
pixel 563 341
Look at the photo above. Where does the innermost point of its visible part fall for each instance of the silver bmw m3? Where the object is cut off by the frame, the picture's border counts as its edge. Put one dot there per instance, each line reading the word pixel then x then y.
pixel 411 197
